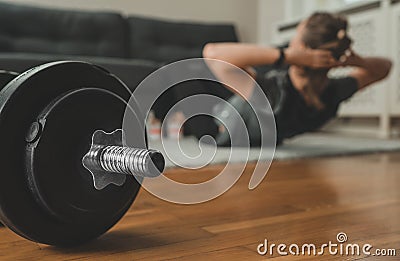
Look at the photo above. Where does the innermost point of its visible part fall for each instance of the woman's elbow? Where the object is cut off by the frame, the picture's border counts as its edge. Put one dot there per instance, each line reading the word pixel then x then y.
pixel 388 68
pixel 210 51
pixel 385 68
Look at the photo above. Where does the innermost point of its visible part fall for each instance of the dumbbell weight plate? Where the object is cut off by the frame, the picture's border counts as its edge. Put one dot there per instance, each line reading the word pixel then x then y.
pixel 47 117
pixel 6 77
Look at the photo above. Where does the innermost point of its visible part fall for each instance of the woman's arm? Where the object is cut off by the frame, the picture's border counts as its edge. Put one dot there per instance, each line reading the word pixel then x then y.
pixel 368 69
pixel 245 56
pixel 248 55
pixel 241 55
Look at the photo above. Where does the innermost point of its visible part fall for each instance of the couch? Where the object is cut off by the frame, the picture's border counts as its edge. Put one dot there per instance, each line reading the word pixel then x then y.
pixel 130 47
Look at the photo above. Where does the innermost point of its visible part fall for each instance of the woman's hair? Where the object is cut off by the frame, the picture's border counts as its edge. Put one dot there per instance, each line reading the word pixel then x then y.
pixel 323 31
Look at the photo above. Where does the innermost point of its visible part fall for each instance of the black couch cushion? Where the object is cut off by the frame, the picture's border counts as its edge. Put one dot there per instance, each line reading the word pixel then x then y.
pixel 165 41
pixel 40 30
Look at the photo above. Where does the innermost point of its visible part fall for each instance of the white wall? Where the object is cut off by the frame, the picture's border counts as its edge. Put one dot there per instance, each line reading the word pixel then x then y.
pixel 270 12
pixel 243 13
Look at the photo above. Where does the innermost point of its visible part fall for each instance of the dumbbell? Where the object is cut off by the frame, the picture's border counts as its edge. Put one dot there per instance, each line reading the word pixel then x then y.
pixel 6 77
pixel 68 172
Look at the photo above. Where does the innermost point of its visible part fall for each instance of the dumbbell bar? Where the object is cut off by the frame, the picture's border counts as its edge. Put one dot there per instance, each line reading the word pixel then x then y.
pixel 66 178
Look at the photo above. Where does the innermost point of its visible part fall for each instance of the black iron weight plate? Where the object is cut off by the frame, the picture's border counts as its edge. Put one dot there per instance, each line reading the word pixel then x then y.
pixel 6 77
pixel 46 195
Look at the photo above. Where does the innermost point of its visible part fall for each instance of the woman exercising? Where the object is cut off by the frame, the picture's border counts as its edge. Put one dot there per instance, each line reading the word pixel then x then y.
pixel 311 97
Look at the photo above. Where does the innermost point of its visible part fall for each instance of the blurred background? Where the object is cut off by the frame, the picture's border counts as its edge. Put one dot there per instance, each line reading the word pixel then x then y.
pixel 374 25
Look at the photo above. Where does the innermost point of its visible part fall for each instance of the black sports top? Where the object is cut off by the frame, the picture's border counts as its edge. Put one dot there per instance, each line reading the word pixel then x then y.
pixel 292 115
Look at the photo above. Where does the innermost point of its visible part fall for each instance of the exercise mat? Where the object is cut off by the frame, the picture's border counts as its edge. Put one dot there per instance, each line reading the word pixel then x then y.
pixel 305 146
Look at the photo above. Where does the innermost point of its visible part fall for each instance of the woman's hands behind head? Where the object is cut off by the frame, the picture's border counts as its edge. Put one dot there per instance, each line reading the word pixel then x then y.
pixel 312 58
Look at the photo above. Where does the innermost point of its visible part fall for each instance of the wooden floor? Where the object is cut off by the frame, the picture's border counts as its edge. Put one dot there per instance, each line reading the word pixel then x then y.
pixel 304 201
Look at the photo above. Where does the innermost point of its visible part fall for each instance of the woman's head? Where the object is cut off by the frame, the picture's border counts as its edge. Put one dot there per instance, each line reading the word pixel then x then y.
pixel 326 31
pixel 320 31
